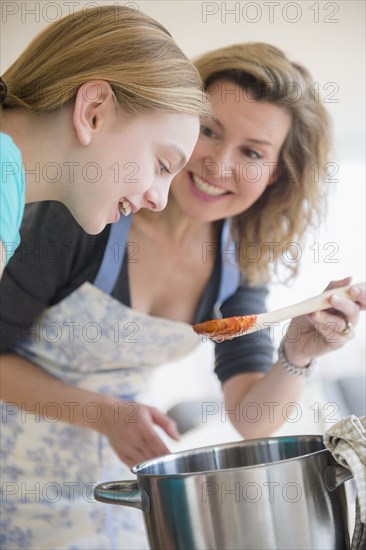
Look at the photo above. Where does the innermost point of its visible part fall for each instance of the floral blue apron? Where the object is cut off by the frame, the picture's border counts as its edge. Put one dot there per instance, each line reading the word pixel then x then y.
pixel 50 468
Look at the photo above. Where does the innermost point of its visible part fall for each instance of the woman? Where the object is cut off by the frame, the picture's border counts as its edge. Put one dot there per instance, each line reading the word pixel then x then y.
pixel 99 112
pixel 86 318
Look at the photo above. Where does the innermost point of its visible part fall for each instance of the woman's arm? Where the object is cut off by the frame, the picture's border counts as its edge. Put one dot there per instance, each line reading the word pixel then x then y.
pixel 43 269
pixel 257 400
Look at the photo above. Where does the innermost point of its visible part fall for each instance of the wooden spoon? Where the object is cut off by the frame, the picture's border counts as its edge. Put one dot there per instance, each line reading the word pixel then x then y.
pixel 231 327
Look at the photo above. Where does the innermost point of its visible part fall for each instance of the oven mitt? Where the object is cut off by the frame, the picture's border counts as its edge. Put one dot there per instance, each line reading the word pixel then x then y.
pixel 347 443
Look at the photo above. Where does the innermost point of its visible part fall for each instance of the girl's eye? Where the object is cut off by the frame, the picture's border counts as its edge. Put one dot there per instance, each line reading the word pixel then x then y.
pixel 252 154
pixel 163 168
pixel 205 131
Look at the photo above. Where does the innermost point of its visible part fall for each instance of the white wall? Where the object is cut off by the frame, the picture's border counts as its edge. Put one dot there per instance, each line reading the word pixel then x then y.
pixel 327 37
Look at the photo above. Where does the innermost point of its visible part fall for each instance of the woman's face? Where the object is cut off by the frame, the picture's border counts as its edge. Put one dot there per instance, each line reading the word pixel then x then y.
pixel 130 164
pixel 235 157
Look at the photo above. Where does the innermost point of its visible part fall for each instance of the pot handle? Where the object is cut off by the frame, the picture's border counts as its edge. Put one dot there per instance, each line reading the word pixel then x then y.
pixel 125 493
pixel 335 475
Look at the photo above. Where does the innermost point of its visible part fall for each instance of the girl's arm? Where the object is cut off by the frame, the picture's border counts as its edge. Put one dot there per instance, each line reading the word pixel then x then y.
pixel 129 426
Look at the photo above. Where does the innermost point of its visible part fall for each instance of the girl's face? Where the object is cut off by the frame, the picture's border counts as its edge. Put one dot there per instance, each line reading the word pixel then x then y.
pixel 235 158
pixel 129 165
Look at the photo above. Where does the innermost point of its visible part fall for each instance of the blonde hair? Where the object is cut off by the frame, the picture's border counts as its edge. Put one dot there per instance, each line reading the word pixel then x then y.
pixel 295 202
pixel 134 53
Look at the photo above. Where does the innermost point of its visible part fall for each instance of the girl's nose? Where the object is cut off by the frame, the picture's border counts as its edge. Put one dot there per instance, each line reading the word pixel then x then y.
pixel 156 197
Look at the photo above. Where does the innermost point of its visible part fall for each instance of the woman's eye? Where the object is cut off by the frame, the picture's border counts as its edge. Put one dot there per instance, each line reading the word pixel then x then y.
pixel 252 154
pixel 205 131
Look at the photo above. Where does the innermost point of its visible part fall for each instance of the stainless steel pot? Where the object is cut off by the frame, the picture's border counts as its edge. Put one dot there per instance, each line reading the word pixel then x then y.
pixel 274 493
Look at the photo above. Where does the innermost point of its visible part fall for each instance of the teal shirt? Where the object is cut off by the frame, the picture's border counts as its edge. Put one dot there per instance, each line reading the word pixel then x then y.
pixel 12 194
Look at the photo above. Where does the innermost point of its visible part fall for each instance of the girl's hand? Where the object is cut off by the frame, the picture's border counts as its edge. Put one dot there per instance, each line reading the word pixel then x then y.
pixel 129 426
pixel 310 336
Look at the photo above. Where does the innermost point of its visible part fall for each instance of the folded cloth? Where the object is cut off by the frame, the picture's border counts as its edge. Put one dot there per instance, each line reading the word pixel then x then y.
pixel 347 443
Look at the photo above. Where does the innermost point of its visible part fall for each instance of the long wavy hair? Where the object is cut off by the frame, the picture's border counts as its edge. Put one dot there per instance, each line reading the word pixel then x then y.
pixel 134 53
pixel 296 201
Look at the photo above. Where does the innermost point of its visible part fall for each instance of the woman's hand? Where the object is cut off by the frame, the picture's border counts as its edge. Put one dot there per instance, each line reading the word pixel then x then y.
pixel 129 426
pixel 318 333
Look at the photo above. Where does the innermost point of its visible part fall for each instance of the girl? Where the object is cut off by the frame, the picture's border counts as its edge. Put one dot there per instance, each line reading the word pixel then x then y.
pixel 99 112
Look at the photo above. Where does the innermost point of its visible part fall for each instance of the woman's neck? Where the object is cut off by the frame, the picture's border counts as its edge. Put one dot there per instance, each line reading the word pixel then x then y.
pixel 175 223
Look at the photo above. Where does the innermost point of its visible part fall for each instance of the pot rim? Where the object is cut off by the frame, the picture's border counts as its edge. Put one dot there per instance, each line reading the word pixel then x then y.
pixel 246 442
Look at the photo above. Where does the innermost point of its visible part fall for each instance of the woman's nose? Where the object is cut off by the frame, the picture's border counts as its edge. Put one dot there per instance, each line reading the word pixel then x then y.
pixel 225 156
pixel 221 162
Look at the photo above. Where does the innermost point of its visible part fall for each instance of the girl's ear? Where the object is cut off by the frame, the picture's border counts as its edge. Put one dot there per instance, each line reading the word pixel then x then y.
pixel 92 102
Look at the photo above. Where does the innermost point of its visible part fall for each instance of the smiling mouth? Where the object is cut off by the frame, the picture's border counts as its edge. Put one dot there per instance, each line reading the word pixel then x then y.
pixel 125 207
pixel 208 188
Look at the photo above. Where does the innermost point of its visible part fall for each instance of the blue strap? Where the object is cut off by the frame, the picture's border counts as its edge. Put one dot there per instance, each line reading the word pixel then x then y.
pixel 230 270
pixel 116 247
pixel 114 253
